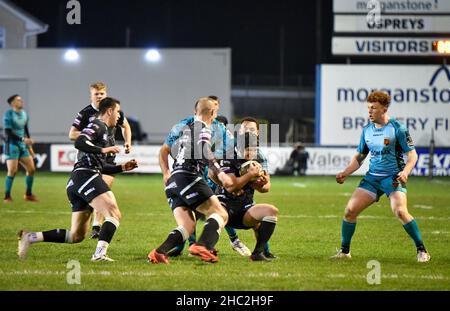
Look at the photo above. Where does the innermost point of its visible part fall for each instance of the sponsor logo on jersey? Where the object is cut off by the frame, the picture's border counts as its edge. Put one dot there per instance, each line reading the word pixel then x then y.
pixel 171 185
pixel 192 195
pixel 89 191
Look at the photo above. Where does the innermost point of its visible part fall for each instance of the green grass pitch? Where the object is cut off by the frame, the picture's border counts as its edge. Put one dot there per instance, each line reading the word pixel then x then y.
pixel 307 234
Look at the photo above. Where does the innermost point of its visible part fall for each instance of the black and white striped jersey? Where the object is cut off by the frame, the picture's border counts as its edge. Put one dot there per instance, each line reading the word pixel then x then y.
pixel 89 114
pixel 97 134
pixel 192 150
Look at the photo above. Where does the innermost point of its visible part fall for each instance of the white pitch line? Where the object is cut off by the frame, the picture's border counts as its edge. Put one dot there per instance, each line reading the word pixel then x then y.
pixel 437 277
pixel 282 216
pixel 360 217
pixel 440 232
pixel 128 273
pixel 423 206
pixel 36 212
pixel 299 185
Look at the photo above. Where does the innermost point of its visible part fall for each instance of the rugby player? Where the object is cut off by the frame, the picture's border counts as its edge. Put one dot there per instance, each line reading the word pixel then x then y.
pixel 17 148
pixel 221 140
pixel 98 91
pixel 387 140
pixel 187 190
pixel 86 188
pixel 237 198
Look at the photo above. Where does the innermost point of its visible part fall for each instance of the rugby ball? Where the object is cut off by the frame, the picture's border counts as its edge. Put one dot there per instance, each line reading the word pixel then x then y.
pixel 245 167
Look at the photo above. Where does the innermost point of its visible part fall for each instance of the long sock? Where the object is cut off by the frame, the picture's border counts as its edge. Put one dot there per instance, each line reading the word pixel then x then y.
pixel 348 228
pixel 29 183
pixel 108 229
pixel 8 185
pixel 106 234
pixel 176 237
pixel 95 228
pixel 232 234
pixel 265 231
pixel 413 230
pixel 211 231
pixel 57 236
pixel 52 236
pixel 266 248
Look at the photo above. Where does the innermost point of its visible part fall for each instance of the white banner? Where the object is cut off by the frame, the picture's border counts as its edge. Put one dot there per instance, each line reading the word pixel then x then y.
pixel 63 158
pixel 393 24
pixel 321 161
pixel 384 46
pixel 420 100
pixel 393 6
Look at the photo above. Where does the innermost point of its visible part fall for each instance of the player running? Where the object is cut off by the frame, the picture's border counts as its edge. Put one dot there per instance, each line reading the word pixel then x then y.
pixel 98 91
pixel 86 189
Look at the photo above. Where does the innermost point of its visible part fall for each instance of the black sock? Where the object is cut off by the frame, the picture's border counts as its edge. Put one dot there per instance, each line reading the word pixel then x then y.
pixel 55 236
pixel 95 228
pixel 421 248
pixel 175 238
pixel 210 234
pixel 107 231
pixel 345 249
pixel 263 235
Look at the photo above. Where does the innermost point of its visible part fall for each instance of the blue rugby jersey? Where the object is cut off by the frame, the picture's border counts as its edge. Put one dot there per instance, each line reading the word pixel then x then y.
pixel 386 146
pixel 16 121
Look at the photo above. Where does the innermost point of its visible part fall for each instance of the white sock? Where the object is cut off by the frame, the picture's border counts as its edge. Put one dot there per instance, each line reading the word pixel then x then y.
pixel 34 237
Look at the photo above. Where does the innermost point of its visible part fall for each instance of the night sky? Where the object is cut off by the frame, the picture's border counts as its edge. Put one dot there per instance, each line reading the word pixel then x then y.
pixel 251 28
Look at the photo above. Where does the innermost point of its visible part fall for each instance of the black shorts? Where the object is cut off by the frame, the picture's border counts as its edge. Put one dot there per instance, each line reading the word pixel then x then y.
pixel 236 210
pixel 82 187
pixel 189 190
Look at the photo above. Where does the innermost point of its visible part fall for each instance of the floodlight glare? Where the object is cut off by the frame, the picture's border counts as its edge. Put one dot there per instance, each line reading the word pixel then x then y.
pixel 71 55
pixel 441 46
pixel 152 55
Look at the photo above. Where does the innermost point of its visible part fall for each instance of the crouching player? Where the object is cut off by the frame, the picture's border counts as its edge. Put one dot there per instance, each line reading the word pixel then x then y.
pixel 237 198
pixel 86 188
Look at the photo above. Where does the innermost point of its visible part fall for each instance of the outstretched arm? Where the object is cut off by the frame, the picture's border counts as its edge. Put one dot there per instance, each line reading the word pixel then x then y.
pixel 115 169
